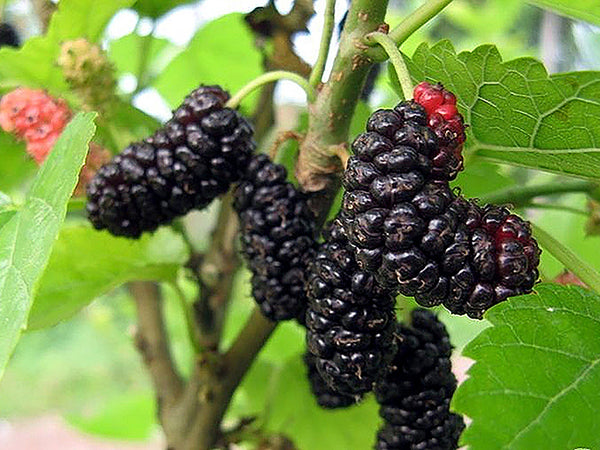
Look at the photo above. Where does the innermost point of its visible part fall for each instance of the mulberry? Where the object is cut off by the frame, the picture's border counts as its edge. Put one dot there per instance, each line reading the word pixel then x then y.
pixel 9 36
pixel 415 394
pixel 326 397
pixel 417 236
pixel 350 318
pixel 444 119
pixel 89 72
pixel 278 238
pixel 36 117
pixel 186 164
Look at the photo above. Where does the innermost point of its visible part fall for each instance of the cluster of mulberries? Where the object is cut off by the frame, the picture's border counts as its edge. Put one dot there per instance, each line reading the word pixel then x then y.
pixel 36 117
pixel 415 394
pixel 350 318
pixel 8 36
pixel 416 235
pixel 278 238
pixel 278 241
pixel 184 165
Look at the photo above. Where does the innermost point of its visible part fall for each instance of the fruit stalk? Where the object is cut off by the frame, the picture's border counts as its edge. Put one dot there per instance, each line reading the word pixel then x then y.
pixel 318 166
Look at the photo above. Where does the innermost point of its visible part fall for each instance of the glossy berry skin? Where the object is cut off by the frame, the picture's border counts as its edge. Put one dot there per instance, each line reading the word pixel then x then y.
pixel 447 123
pixel 35 117
pixel 325 396
pixel 418 237
pixel 350 318
pixel 415 394
pixel 278 238
pixel 185 165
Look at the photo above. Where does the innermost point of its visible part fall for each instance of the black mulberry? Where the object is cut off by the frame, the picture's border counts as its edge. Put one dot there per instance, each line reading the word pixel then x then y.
pixel 8 36
pixel 350 318
pixel 184 165
pixel 416 235
pixel 278 238
pixel 415 394
pixel 326 397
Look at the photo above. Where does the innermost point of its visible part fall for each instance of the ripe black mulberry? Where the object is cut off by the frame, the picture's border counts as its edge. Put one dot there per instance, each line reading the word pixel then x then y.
pixel 415 394
pixel 418 236
pixel 350 318
pixel 278 238
pixel 325 396
pixel 186 164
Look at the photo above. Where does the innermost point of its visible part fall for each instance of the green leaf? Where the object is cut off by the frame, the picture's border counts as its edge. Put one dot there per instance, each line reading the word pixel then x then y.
pixel 535 380
pixel 588 10
pixel 16 166
pixel 222 52
pixel 86 263
pixel 6 216
pixel 293 411
pixel 129 416
pixel 480 177
pixel 34 65
pixel 27 239
pixel 128 124
pixel 83 18
pixel 126 53
pixel 157 8
pixel 516 112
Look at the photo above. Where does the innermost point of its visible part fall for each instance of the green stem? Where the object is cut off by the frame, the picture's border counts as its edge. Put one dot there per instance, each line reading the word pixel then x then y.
pixel 192 329
pixel 396 59
pixel 417 19
pixel 316 74
pixel 570 260
pixel 144 52
pixel 412 23
pixel 318 166
pixel 521 195
pixel 270 77
pixel 557 208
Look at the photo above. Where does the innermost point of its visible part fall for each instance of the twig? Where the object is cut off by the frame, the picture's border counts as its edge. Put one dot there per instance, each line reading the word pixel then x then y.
pixel 559 207
pixel 396 59
pixel 271 77
pixel 570 260
pixel 318 167
pixel 223 383
pixel 216 277
pixel 192 327
pixel 521 195
pixel 400 33
pixel 282 137
pixel 151 341
pixel 328 24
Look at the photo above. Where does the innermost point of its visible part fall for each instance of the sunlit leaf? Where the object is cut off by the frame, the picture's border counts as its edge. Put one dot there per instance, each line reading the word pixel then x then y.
pixel 26 240
pixel 537 371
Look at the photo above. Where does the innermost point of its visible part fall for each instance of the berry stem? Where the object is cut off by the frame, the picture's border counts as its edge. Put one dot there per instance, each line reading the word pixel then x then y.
pixel 412 23
pixel 550 206
pixel 521 195
pixel 316 74
pixel 396 59
pixel 570 260
pixel 270 77
pixel 144 52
